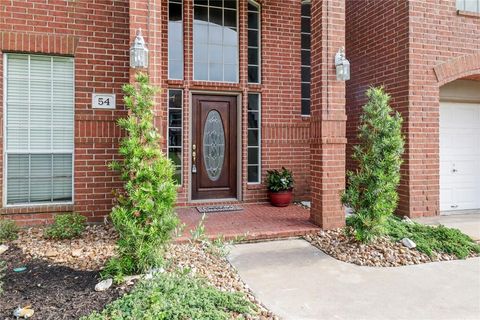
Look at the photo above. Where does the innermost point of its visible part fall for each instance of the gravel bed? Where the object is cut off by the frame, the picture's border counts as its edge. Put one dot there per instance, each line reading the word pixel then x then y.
pixel 89 254
pixel 380 253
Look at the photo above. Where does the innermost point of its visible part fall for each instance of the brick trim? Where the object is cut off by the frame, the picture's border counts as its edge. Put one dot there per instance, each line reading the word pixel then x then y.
pixel 38 43
pixel 463 66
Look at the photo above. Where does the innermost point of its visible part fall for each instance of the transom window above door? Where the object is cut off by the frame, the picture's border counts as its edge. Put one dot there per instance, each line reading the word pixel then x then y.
pixel 215 40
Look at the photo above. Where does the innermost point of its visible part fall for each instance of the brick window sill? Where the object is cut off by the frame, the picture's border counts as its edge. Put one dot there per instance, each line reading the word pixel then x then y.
pixel 37 209
pixel 468 14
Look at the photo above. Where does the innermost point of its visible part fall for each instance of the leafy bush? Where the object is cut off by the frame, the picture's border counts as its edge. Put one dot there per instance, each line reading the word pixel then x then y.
pixel 143 217
pixel 372 188
pixel 66 226
pixel 431 239
pixel 175 297
pixel 8 230
pixel 279 180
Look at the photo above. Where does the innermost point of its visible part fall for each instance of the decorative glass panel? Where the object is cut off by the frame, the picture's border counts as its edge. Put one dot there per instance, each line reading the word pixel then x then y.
pixel 254 138
pixel 175 39
pixel 305 53
pixel 175 131
pixel 213 145
pixel 215 40
pixel 39 128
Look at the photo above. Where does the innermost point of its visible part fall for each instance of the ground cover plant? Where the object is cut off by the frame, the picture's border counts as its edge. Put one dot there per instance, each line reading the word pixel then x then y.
pixel 372 188
pixel 433 239
pixel 143 217
pixel 8 230
pixel 66 226
pixel 173 296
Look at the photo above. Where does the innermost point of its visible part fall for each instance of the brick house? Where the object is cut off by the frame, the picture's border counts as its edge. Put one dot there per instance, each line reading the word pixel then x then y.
pixel 247 86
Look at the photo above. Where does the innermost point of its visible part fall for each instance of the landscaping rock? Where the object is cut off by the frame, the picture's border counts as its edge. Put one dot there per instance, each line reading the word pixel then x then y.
pixel 104 285
pixel 408 243
pixel 382 252
pixel 3 248
pixel 407 220
pixel 306 204
pixel 25 312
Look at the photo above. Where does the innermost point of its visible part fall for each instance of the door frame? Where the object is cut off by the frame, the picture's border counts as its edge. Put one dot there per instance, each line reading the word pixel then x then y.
pixel 188 151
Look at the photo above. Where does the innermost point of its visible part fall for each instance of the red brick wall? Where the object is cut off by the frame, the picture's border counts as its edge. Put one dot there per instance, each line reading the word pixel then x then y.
pixel 328 119
pixel 438 38
pixel 96 33
pixel 398 44
pixel 377 48
pixel 284 132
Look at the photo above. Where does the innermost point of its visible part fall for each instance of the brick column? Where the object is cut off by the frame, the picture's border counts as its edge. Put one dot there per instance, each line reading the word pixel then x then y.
pixel 328 119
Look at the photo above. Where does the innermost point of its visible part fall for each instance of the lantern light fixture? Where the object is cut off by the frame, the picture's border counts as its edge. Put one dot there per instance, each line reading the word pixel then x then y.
pixel 139 52
pixel 342 65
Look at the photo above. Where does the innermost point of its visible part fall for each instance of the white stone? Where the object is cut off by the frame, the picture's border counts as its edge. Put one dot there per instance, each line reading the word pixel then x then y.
pixel 408 243
pixel 3 248
pixel 307 204
pixel 130 279
pixel 407 220
pixel 77 252
pixel 104 285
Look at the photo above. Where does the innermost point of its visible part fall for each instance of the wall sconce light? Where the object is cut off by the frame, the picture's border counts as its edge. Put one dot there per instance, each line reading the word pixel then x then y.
pixel 342 65
pixel 139 52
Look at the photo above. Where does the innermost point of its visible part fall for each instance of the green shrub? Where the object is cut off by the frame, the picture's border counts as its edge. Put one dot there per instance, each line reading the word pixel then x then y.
pixel 175 297
pixel 143 217
pixel 433 239
pixel 279 180
pixel 66 226
pixel 8 230
pixel 372 188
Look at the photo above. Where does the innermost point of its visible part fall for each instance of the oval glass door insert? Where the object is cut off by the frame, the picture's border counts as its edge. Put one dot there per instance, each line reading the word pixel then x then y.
pixel 213 145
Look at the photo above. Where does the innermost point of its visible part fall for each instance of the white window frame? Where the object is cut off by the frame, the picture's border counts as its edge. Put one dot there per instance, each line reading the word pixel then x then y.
pixel 193 46
pixel 29 152
pixel 259 111
pixel 259 7
pixel 461 6
pixel 182 132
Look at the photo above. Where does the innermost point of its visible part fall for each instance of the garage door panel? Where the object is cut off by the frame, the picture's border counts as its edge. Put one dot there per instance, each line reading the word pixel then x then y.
pixel 459 156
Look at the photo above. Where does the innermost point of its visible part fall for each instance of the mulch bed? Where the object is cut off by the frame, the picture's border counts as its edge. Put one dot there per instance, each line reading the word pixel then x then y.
pixel 53 291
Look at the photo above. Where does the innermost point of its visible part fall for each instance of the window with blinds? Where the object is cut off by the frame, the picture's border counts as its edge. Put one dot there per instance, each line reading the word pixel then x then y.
pixel 39 96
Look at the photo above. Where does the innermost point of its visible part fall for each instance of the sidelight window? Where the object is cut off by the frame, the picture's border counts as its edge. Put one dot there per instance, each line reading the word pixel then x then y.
pixel 305 52
pixel 175 39
pixel 254 137
pixel 254 55
pixel 175 104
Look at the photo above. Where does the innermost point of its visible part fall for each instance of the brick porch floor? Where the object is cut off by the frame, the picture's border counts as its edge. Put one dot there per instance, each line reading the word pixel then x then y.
pixel 255 222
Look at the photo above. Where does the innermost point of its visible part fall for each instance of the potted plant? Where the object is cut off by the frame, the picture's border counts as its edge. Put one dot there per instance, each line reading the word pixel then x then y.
pixel 280 186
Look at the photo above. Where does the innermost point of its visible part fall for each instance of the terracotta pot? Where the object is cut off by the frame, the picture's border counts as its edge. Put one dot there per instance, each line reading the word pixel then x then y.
pixel 280 198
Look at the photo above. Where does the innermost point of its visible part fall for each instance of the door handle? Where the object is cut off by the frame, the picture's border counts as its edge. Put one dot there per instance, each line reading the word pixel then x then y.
pixel 454 206
pixel 454 170
pixel 194 158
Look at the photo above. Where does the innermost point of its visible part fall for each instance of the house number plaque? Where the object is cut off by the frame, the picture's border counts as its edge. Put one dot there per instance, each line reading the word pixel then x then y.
pixel 103 101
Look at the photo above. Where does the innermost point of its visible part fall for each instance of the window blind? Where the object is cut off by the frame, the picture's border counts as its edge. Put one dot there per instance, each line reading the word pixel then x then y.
pixel 39 128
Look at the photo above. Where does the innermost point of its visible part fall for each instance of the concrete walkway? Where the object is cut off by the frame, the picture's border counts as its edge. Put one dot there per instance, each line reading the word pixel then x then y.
pixel 297 281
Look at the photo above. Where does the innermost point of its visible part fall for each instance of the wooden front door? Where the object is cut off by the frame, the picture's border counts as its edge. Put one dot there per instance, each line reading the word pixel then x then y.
pixel 214 147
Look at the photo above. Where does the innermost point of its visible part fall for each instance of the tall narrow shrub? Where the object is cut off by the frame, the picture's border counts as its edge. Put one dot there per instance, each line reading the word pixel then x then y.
pixel 144 215
pixel 372 188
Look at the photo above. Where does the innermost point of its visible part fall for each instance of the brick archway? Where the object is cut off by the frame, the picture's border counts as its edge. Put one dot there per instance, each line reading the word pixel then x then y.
pixel 461 67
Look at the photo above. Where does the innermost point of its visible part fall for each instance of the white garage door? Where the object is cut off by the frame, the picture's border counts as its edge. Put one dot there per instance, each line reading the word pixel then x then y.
pixel 459 156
